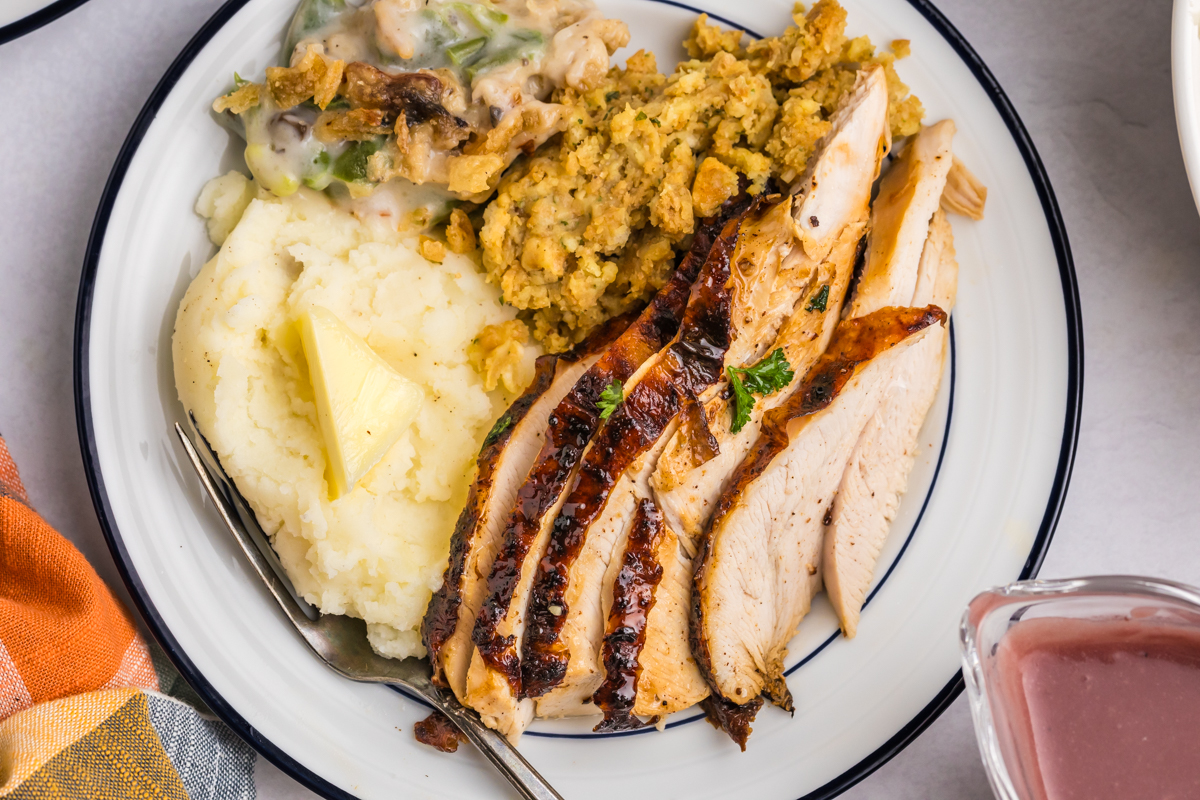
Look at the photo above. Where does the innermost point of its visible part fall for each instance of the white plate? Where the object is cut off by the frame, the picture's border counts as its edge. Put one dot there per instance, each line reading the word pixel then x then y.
pixel 1001 461
pixel 1185 74
pixel 19 17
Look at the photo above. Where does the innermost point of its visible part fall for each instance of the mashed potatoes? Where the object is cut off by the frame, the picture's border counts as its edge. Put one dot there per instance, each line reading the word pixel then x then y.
pixel 378 552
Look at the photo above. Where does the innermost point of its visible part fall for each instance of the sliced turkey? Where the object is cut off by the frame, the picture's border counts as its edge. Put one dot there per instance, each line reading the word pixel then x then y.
pixel 504 461
pixel 735 315
pixel 493 682
pixel 909 237
pixel 908 195
pixel 814 269
pixel 585 610
pixel 742 284
pixel 758 568
pixel 564 617
pixel 877 473
pixel 636 576
pixel 686 485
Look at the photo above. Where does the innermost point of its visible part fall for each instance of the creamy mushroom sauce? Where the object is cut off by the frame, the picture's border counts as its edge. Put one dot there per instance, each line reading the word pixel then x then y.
pixel 498 60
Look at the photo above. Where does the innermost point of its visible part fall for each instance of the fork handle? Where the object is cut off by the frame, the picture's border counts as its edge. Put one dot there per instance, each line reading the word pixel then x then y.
pixel 498 750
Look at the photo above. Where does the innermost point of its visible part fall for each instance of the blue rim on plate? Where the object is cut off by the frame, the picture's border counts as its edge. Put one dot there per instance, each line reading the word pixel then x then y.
pixel 298 771
pixel 29 24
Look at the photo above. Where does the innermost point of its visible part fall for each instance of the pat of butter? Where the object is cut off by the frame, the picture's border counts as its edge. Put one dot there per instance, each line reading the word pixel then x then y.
pixel 363 405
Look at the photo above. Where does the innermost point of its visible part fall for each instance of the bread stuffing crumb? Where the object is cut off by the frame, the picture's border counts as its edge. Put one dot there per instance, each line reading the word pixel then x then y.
pixel 591 225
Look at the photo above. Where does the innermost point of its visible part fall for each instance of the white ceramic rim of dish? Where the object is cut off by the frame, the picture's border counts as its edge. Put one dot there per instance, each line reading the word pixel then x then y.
pixel 1039 541
pixel 1185 77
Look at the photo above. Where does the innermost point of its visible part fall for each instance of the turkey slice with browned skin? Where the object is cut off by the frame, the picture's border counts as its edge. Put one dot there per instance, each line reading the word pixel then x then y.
pixel 593 573
pixel 902 263
pixel 503 464
pixel 689 365
pixel 636 575
pixel 686 487
pixel 648 655
pixel 493 684
pixel 775 271
pixel 814 266
pixel 877 473
pixel 584 608
pixel 560 658
pixel 758 568
pixel 908 195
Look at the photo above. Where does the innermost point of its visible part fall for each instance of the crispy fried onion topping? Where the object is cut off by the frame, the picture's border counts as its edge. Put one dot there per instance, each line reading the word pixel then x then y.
pixel 243 98
pixel 356 125
pixel 313 77
pixel 417 96
pixel 460 234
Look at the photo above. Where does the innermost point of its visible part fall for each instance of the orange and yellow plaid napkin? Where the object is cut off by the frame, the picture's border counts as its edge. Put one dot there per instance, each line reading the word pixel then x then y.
pixel 85 706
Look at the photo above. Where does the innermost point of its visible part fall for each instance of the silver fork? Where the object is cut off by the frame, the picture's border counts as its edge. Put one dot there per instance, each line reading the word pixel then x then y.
pixel 342 641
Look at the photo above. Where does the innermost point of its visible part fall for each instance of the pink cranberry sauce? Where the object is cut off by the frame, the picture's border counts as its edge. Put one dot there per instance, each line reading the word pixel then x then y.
pixel 1098 709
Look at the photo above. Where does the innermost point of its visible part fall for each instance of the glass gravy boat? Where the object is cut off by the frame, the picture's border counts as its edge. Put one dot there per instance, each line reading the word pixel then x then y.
pixel 1015 733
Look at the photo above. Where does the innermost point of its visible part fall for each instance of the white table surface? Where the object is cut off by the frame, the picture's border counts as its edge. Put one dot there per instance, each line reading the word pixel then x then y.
pixel 1090 78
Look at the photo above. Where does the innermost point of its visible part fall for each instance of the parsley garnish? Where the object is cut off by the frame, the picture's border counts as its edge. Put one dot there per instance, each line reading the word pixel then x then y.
pixel 502 424
pixel 743 401
pixel 611 96
pixel 612 396
pixel 819 300
pixel 769 375
pixel 641 116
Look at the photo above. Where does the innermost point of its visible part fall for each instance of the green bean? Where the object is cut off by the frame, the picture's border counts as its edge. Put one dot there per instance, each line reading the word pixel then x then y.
pixel 351 166
pixel 527 49
pixel 462 52
pixel 312 15
pixel 439 32
pixel 484 16
pixel 458 24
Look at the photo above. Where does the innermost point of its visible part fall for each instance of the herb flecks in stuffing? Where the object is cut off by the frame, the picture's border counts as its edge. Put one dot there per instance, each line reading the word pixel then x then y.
pixel 591 224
